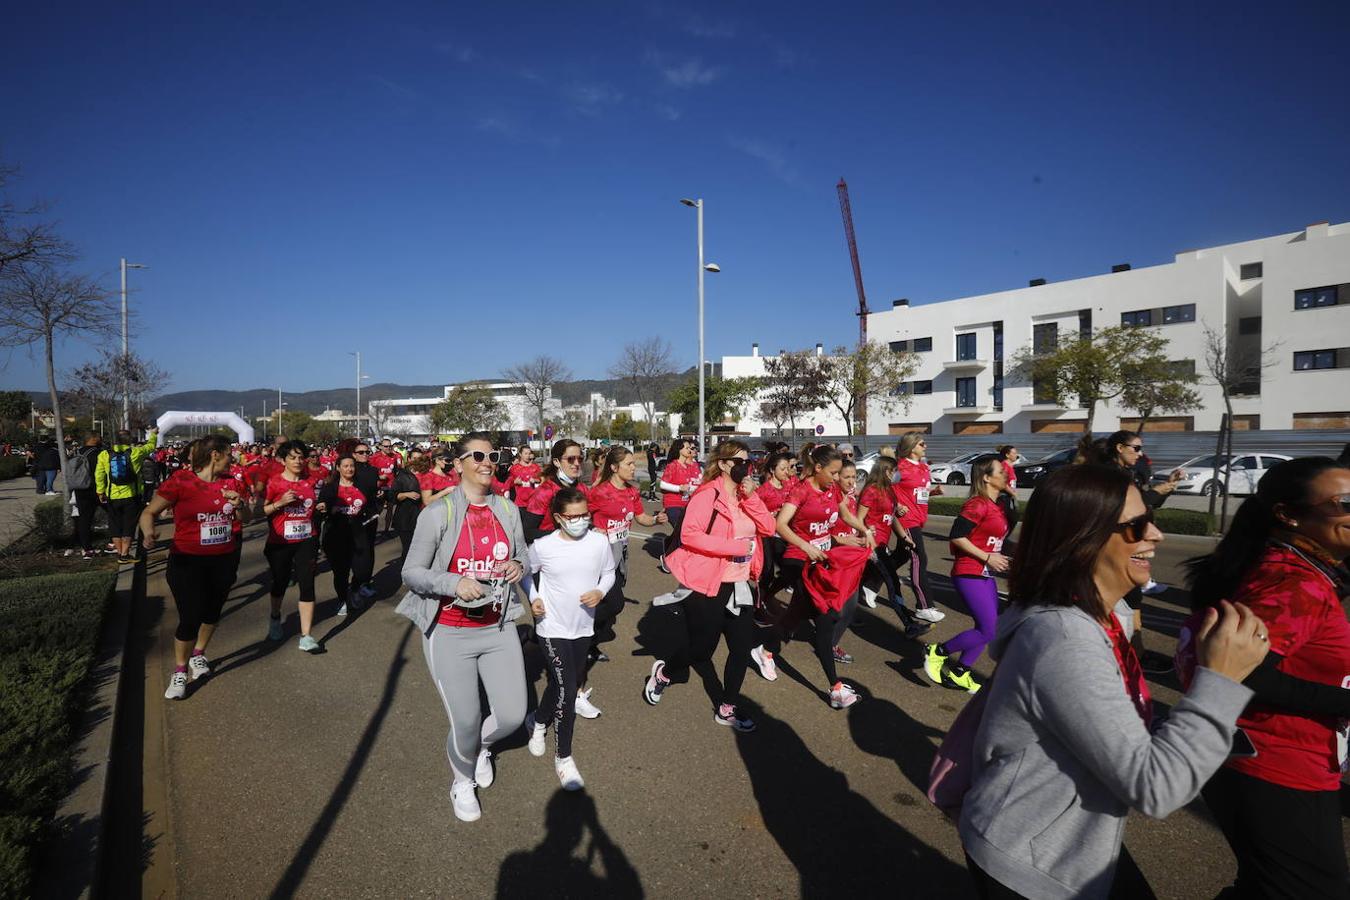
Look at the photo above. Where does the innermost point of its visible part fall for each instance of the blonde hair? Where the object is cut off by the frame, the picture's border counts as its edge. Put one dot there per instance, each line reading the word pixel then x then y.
pixel 724 450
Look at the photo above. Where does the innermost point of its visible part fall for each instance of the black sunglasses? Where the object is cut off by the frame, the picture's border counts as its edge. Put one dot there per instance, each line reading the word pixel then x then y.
pixel 478 456
pixel 1136 529
pixel 1334 505
pixel 360 453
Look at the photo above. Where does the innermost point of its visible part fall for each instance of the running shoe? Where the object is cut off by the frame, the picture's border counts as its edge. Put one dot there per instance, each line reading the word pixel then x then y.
pixel 656 683
pixel 342 610
pixel 537 733
pixel 483 774
pixel 367 591
pixel 88 554
pixel 584 707
pixel 177 686
pixel 465 802
pixel 1153 588
pixel 199 666
pixel 933 661
pixel 598 655
pixel 764 660
pixel 930 614
pixel 274 630
pixel 965 680
pixel 308 644
pixel 869 598
pixel 661 564
pixel 917 629
pixel 126 560
pixel 842 696
pixel 568 774
pixel 842 656
pixel 354 601
pixel 726 715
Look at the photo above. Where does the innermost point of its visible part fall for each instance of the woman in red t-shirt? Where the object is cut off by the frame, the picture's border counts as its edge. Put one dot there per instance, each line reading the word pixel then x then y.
pixel 201 565
pixel 1278 799
pixel 876 507
pixel 436 482
pixel 316 472
pixel 913 486
pixel 680 476
pixel 977 544
pixel 563 470
pixel 346 541
pixel 523 477
pixel 777 482
pixel 288 502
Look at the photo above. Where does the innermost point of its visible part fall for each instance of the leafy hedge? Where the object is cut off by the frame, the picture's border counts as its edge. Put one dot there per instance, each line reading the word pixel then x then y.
pixel 11 466
pixel 1170 521
pixel 49 628
pixel 49 517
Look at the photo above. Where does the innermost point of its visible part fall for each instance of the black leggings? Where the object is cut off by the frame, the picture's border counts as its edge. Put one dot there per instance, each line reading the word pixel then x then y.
pixel 348 549
pixel 86 503
pixel 888 564
pixel 292 560
pixel 706 619
pixel 405 536
pixel 1287 842
pixel 565 665
pixel 607 613
pixel 918 570
pixel 827 623
pixel 200 585
pixel 675 514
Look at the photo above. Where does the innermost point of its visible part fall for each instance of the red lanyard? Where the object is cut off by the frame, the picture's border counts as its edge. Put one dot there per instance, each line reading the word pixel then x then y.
pixel 1136 686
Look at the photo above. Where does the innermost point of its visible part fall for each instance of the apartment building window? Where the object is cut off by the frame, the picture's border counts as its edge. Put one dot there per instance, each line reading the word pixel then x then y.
pixel 1137 318
pixel 1174 314
pixel 1329 295
pixel 998 392
pixel 998 365
pixel 965 346
pixel 1182 368
pixel 899 346
pixel 1250 271
pixel 965 392
pixel 1045 337
pixel 923 387
pixel 1317 359
pixel 998 342
pixel 923 345
pixel 1249 325
pixel 1085 323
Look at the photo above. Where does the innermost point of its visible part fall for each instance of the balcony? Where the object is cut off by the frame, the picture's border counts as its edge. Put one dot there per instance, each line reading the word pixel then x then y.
pixel 983 410
pixel 965 365
pixel 1049 406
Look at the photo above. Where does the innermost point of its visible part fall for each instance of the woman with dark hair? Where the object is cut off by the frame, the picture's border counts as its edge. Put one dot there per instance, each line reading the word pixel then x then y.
pixel 438 479
pixel 201 565
pixel 719 560
pixel 913 486
pixel 1008 457
pixel 977 544
pixel 773 490
pixel 346 539
pixel 563 470
pixel 289 504
pixel 1067 745
pixel 678 480
pixel 405 496
pixel 1278 803
pixel 523 476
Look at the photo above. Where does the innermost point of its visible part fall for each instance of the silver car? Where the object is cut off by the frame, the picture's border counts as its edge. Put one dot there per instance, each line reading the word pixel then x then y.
pixel 956 471
pixel 1243 471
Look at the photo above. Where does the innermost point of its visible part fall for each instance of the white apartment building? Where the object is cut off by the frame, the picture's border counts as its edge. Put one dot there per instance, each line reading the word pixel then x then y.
pixel 412 416
pixel 1289 294
pixel 821 420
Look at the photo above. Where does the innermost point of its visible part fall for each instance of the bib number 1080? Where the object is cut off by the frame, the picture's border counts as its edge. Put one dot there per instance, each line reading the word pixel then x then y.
pixel 215 533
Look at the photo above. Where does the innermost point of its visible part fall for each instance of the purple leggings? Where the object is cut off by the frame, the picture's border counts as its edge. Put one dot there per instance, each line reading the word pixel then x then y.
pixel 981 596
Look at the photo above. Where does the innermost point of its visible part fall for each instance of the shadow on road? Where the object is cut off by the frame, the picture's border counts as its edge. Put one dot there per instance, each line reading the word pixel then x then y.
pixel 552 869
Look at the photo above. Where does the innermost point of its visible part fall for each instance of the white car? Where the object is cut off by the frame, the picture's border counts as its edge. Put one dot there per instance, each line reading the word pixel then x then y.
pixel 865 465
pixel 1244 471
pixel 956 471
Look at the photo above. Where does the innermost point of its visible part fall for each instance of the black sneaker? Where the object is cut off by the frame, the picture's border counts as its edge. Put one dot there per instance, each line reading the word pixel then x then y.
pixel 726 715
pixel 656 683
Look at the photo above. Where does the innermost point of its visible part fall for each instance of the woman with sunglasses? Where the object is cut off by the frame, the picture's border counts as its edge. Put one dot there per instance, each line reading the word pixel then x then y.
pixel 1067 745
pixel 467 555
pixel 719 559
pixel 563 470
pixel 315 468
pixel 913 486
pixel 346 540
pixel 1278 802
pixel 678 480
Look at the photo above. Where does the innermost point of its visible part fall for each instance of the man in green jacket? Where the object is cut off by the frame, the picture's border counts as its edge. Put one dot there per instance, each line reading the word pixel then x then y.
pixel 117 478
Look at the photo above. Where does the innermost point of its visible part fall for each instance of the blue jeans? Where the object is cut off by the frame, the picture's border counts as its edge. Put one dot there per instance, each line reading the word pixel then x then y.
pixel 46 481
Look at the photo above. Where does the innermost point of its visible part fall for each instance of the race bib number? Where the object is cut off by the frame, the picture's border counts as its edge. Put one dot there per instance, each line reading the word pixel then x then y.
pixel 619 535
pixel 215 533
pixel 296 529
pixel 823 543
pixel 921 496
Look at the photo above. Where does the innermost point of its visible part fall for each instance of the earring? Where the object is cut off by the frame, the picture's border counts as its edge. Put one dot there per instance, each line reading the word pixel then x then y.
pixel 1293 524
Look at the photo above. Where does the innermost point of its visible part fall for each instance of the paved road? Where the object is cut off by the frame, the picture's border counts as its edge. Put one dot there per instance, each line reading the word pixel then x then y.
pixel 17 499
pixel 326 775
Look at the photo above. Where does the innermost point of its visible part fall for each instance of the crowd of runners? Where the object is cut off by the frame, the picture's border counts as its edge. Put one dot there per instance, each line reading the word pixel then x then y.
pixel 499 549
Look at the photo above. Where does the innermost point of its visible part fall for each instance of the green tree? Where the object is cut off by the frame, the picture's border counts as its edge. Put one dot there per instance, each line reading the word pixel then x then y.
pixel 794 383
pixel 869 372
pixel 721 397
pixel 1165 388
pixel 15 406
pixel 467 408
pixel 318 433
pixel 291 423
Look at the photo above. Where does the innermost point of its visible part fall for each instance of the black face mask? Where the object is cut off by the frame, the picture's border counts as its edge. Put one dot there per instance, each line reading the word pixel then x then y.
pixel 739 469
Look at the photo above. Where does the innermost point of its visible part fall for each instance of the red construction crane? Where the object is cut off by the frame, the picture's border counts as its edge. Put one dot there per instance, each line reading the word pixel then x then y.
pixel 847 210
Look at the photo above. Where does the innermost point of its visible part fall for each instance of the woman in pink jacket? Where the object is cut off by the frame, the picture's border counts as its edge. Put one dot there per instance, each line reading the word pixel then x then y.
pixel 719 559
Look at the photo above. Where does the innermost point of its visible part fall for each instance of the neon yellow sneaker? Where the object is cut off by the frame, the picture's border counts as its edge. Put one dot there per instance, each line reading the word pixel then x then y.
pixel 933 662
pixel 964 680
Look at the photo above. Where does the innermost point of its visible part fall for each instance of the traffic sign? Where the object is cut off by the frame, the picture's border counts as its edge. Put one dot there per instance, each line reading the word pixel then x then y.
pixel 820 429
pixel 548 432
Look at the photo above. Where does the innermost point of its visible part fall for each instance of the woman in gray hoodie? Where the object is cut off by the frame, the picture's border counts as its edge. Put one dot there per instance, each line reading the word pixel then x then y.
pixel 1066 746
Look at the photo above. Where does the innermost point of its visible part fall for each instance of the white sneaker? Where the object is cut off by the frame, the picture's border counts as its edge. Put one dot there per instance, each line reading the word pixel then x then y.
pixel 308 644
pixel 869 598
pixel 342 610
pixel 465 802
pixel 584 707
pixel 483 775
pixel 930 614
pixel 762 658
pixel 537 735
pixel 177 686
pixel 568 774
pixel 199 666
pixel 842 696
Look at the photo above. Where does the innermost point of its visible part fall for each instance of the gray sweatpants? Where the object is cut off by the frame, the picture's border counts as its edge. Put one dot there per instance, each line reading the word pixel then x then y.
pixel 458 658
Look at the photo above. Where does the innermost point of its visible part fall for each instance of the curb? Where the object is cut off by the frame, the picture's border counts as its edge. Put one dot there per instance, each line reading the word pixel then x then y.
pixel 72 863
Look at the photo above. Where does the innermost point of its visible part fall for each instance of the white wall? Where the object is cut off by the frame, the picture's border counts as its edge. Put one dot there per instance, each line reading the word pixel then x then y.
pixel 750 421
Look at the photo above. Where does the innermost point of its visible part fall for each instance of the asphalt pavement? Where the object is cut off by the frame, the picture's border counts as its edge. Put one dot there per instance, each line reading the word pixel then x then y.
pixel 325 775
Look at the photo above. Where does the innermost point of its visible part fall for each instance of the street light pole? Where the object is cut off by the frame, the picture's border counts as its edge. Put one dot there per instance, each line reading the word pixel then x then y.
pixel 702 267
pixel 357 354
pixel 126 383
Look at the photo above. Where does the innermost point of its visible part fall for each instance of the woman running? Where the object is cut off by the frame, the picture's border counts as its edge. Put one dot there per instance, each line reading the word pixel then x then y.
pixel 913 486
pixel 436 482
pixel 201 566
pixel 316 471
pixel 405 496
pixel 346 540
pixel 563 470
pixel 977 544
pixel 778 477
pixel 467 554
pixel 288 503
pixel 719 560
pixel 523 477
pixel 877 510
pixel 575 569
pixel 678 480
pixel 1008 457
pixel 849 531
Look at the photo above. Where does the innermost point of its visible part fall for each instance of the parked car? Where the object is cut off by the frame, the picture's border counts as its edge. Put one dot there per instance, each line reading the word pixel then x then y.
pixel 1244 471
pixel 865 465
pixel 1032 471
pixel 956 471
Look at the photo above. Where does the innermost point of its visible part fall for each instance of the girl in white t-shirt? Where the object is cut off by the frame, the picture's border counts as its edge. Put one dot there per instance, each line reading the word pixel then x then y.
pixel 576 570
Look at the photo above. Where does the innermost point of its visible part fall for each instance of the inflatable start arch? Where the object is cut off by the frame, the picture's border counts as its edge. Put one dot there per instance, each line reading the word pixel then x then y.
pixel 174 418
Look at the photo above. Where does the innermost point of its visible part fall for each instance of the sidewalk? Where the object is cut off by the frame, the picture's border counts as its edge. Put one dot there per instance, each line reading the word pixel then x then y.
pixel 17 499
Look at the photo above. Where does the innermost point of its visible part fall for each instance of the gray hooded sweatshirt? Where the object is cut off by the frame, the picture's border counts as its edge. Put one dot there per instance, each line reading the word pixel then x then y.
pixel 1061 755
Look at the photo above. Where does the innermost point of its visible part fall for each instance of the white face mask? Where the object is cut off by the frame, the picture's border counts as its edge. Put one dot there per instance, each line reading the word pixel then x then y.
pixel 577 528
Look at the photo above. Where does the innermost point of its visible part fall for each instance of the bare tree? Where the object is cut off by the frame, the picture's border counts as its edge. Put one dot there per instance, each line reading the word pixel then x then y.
pixel 377 418
pixel 645 365
pixel 1235 369
pixel 25 243
pixel 537 378
pixel 794 383
pixel 870 371
pixel 95 386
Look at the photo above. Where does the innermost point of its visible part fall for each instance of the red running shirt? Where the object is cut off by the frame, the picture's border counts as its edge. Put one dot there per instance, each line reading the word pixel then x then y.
pixel 542 500
pixel 816 516
pixel 880 503
pixel 911 492
pixel 841 527
pixel 613 509
pixel 434 482
pixel 350 501
pixel 202 516
pixel 679 473
pixel 773 497
pixel 294 522
pixel 384 464
pixel 1012 474
pixel 991 527
pixel 524 478
pixel 481 553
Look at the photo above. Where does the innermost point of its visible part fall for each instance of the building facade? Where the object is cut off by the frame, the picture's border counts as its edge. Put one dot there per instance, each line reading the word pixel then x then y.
pixel 411 417
pixel 824 419
pixel 1288 295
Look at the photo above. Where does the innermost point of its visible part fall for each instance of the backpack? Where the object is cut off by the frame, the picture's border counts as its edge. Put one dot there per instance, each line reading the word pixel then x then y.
pixel 119 468
pixel 78 475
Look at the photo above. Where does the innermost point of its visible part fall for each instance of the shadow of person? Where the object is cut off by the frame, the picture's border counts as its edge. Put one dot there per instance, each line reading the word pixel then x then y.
pixel 823 827
pixel 881 728
pixel 555 868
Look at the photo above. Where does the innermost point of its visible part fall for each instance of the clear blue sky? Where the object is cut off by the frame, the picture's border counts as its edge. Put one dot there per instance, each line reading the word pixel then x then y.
pixel 308 179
